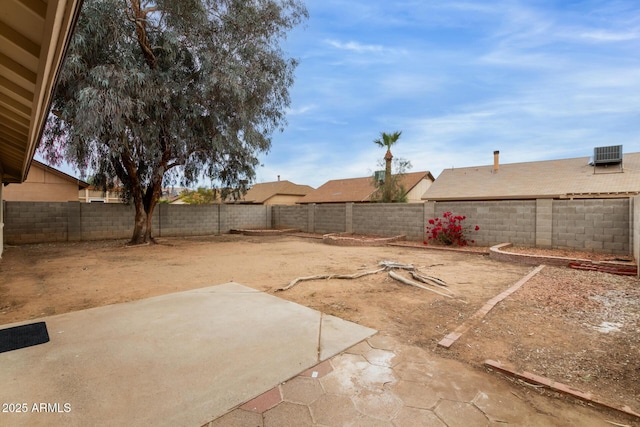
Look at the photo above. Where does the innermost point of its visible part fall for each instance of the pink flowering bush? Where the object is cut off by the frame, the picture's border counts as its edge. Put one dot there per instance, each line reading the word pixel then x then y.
pixel 449 230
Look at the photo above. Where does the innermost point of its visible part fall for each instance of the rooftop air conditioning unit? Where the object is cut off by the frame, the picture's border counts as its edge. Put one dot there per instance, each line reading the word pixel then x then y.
pixel 379 176
pixel 607 155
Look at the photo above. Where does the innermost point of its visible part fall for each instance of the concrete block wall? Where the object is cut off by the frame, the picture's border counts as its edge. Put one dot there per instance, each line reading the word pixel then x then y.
pixel 544 223
pixel 187 220
pixel 499 221
pixel 290 217
pixel 35 222
pixel 600 225
pixel 100 221
pixel 389 219
pixel 244 216
pixel 329 218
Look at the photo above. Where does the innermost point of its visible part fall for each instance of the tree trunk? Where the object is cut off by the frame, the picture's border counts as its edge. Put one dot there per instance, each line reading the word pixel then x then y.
pixel 387 190
pixel 142 226
pixel 149 210
pixel 144 217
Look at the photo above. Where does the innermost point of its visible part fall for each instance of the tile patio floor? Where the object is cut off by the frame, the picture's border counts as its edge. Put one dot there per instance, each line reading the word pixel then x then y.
pixel 381 382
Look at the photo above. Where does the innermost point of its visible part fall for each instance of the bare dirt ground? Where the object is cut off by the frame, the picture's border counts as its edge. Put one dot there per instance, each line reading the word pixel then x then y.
pixel 577 327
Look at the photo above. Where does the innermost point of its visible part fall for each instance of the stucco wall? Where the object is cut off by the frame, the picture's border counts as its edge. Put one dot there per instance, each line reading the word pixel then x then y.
pixel 415 195
pixel 42 186
pixel 281 199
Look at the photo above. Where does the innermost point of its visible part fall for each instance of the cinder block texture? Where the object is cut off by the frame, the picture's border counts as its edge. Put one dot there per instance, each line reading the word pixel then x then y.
pixel 290 217
pixel 35 222
pixel 107 221
pixel 544 223
pixel 599 225
pixel 499 221
pixel 330 218
pixel 389 219
pixel 187 220
pixel 246 216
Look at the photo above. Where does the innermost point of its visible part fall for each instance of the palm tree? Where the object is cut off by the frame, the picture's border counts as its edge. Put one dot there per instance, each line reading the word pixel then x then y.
pixel 387 140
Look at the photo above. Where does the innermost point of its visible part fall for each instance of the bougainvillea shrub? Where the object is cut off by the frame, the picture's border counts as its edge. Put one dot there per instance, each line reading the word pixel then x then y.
pixel 449 230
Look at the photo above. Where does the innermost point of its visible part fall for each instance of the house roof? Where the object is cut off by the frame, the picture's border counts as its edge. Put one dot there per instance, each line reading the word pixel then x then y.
pixel 262 192
pixel 357 189
pixel 81 184
pixel 34 36
pixel 565 178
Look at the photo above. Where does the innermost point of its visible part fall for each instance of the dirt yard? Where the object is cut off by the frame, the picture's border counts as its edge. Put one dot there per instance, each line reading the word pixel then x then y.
pixel 577 327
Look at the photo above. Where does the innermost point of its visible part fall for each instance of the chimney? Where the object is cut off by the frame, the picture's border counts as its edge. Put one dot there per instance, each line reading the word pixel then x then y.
pixel 278 177
pixel 496 161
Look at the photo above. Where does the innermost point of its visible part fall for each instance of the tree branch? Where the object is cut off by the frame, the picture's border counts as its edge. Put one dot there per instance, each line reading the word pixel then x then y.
pixel 141 32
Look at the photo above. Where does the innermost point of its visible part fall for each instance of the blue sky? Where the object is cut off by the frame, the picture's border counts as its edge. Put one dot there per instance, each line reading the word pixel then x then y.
pixel 537 80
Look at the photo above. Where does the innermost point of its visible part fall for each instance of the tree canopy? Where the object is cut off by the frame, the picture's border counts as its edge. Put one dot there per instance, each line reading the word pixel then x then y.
pixel 201 196
pixel 155 92
pixel 387 139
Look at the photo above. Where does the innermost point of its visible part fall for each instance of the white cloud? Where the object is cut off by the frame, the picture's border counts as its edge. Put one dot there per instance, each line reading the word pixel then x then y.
pixel 356 47
pixel 301 110
pixel 610 36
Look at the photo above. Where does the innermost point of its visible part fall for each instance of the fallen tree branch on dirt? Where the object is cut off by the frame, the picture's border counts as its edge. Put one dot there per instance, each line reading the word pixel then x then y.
pixel 388 265
pixel 429 280
pixel 329 276
pixel 617 424
pixel 399 278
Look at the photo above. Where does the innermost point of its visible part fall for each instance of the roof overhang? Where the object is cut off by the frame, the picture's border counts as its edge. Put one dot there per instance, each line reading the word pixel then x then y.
pixel 490 198
pixel 34 36
pixel 607 195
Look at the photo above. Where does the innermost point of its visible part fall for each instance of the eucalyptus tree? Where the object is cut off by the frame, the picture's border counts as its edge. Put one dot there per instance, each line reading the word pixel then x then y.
pixel 161 91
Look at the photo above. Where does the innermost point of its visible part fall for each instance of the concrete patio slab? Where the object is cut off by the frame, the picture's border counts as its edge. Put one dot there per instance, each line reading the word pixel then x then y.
pixel 178 359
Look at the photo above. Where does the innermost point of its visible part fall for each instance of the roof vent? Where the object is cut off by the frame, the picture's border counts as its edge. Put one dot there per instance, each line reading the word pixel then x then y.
pixel 604 156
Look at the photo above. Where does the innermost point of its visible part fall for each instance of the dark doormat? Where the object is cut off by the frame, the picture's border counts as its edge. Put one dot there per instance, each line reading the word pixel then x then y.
pixel 23 336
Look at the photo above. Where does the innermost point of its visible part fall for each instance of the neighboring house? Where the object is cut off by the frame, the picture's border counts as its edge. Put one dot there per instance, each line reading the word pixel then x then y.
pixel 92 194
pixel 35 37
pixel 173 195
pixel 276 193
pixel 359 190
pixel 45 184
pixel 576 178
